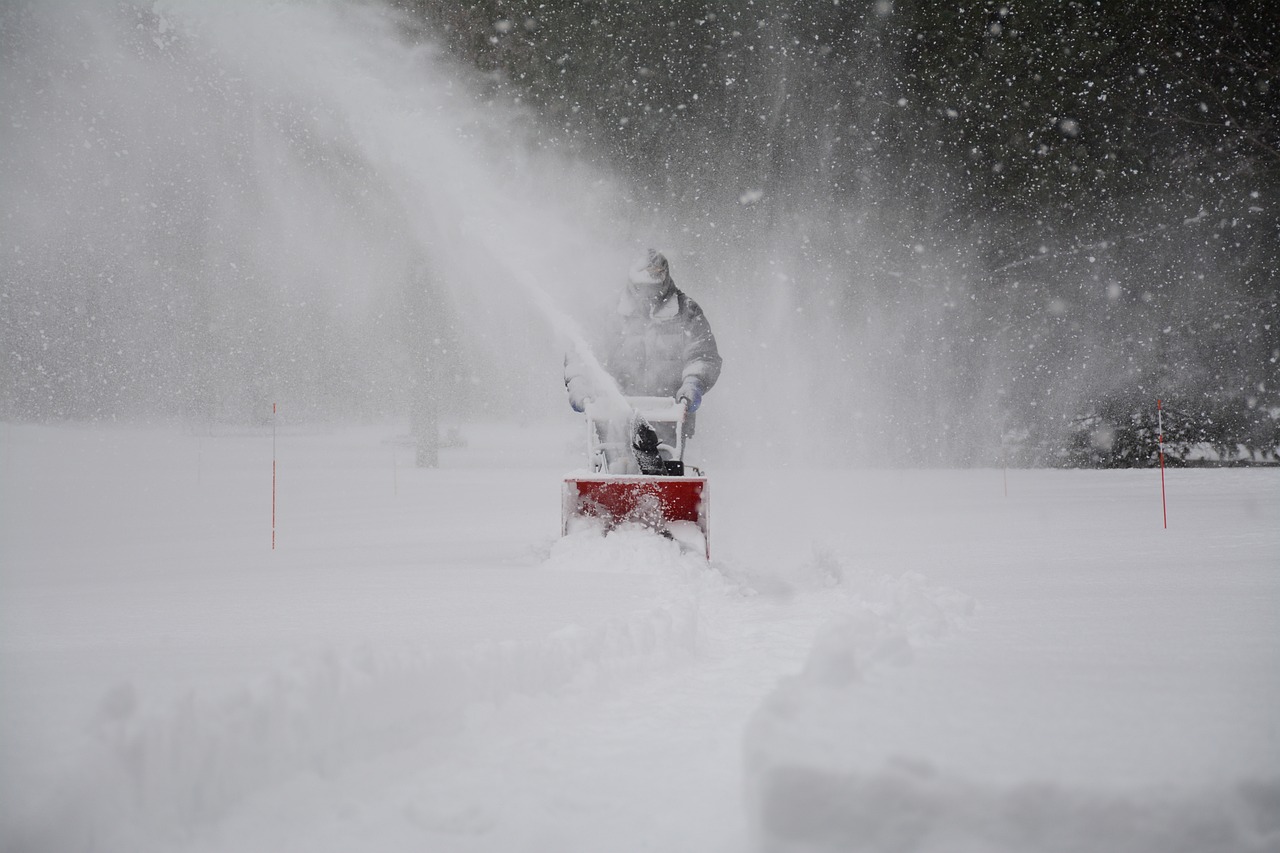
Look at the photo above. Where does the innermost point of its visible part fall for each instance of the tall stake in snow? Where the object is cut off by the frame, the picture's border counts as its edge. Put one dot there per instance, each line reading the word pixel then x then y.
pixel 1004 466
pixel 1164 506
pixel 273 476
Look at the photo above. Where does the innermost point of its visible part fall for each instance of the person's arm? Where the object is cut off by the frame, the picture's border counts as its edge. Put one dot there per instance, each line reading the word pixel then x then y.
pixel 575 380
pixel 701 359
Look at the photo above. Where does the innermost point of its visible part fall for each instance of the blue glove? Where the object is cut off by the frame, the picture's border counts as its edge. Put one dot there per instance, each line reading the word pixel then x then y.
pixel 691 393
pixel 578 404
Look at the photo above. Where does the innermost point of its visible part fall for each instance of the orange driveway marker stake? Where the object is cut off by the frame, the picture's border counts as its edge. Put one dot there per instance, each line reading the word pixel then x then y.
pixel 1164 506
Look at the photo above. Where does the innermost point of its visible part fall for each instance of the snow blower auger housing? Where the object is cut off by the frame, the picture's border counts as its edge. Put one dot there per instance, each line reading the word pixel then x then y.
pixel 639 476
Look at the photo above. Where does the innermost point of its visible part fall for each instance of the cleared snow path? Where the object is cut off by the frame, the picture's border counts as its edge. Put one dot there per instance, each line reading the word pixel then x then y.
pixel 636 752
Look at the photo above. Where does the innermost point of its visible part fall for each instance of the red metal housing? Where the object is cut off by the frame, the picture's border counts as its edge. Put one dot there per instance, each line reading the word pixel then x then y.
pixel 655 502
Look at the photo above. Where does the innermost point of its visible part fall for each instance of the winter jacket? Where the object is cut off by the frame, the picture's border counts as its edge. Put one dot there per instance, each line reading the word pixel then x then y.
pixel 652 348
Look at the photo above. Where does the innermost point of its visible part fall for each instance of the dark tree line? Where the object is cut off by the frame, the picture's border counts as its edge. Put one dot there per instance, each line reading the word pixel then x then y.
pixel 1082 195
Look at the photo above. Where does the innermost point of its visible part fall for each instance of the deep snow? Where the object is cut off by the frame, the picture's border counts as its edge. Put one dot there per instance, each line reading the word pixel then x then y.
pixel 905 660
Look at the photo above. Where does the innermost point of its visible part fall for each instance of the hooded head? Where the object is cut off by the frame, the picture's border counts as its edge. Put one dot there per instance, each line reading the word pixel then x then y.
pixel 650 276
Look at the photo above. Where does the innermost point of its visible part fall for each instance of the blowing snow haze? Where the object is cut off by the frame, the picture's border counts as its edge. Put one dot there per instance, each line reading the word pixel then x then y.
pixel 925 233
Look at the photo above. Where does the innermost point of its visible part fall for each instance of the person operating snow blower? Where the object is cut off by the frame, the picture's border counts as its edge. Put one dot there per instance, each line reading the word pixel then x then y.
pixel 660 358
pixel 658 344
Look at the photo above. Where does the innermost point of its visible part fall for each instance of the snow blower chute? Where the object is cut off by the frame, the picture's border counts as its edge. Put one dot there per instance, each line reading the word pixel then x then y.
pixel 638 475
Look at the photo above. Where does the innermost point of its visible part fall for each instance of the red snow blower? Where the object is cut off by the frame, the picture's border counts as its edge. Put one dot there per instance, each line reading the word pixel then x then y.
pixel 638 475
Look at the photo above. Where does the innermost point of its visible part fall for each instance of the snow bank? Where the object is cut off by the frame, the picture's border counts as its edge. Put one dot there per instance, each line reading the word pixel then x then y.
pixel 813 784
pixel 152 775
pixel 912 806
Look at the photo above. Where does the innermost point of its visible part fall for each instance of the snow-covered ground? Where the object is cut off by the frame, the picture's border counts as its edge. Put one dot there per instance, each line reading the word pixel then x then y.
pixel 873 660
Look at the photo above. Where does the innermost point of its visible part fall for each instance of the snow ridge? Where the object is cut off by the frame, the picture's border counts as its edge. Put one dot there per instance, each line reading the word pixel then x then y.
pixel 152 778
pixel 912 806
pixel 810 790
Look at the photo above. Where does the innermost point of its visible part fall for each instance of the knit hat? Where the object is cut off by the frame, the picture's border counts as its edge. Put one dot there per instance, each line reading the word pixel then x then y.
pixel 649 268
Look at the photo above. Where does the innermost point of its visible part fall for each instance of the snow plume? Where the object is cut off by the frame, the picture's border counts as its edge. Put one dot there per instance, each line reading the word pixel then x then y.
pixel 572 331
pixel 209 207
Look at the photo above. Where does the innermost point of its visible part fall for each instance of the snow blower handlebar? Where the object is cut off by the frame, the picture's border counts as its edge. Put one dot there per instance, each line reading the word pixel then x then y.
pixel 611 425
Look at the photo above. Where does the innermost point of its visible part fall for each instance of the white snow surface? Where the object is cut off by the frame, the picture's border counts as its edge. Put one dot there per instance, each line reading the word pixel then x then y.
pixel 872 660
